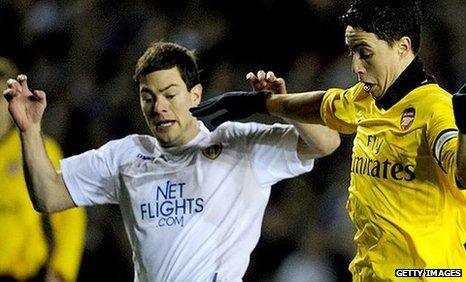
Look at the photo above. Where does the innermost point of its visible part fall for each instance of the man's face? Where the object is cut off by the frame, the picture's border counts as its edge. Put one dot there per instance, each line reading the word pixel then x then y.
pixel 165 102
pixel 376 63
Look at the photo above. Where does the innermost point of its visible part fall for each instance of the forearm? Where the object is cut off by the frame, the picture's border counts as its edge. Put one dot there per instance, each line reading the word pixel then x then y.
pixel 45 185
pixel 461 159
pixel 301 107
pixel 316 140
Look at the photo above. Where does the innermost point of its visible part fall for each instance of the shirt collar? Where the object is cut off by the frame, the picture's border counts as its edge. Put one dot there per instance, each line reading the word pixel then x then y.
pixel 194 144
pixel 412 77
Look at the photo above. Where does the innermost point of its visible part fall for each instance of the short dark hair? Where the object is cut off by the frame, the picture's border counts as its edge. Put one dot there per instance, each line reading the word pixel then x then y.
pixel 166 55
pixel 390 20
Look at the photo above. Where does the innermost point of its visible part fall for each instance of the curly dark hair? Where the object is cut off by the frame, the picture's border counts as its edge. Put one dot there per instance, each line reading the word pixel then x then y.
pixel 166 55
pixel 390 20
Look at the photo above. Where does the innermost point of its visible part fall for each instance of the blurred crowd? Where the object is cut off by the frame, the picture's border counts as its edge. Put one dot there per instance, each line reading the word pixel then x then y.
pixel 83 52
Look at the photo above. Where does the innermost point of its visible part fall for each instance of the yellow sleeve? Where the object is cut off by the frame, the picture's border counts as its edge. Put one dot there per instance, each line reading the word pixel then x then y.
pixel 442 135
pixel 68 229
pixel 338 111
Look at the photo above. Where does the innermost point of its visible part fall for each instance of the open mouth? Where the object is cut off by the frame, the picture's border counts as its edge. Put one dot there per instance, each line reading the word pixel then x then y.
pixel 368 86
pixel 164 123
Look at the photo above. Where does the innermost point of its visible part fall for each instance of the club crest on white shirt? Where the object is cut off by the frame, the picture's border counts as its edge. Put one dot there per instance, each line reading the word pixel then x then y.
pixel 212 152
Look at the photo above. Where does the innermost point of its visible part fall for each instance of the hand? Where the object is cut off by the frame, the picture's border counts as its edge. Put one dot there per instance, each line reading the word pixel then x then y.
pixel 26 107
pixel 233 106
pixel 459 108
pixel 267 82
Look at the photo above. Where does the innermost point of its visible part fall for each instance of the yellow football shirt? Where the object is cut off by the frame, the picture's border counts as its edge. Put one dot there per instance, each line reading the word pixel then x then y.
pixel 23 246
pixel 403 197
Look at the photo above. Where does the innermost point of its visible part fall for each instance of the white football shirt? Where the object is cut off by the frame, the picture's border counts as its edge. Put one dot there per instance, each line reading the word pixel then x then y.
pixel 192 213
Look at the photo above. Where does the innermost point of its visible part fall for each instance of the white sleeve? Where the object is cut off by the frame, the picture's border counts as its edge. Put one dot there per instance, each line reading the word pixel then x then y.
pixel 92 177
pixel 272 150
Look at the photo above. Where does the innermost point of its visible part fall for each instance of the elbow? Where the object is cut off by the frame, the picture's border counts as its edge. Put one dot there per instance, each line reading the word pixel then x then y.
pixel 43 207
pixel 40 208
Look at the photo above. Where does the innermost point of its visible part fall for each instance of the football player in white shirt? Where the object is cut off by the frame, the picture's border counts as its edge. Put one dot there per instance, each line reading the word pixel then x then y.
pixel 192 200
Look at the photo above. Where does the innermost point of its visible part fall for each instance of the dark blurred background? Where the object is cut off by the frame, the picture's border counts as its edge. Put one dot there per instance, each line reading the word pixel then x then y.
pixel 82 53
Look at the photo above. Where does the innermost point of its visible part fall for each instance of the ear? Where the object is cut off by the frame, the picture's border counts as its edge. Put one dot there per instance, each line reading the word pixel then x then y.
pixel 196 94
pixel 404 46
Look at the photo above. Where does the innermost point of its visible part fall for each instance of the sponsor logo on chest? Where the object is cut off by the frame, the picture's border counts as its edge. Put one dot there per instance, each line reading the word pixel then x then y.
pixel 171 205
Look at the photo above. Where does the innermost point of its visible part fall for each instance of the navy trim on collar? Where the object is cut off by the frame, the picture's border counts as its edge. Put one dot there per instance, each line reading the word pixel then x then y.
pixel 412 77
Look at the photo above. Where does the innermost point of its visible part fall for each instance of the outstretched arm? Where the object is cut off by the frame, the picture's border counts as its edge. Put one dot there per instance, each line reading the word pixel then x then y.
pixel 300 110
pixel 46 187
pixel 270 98
pixel 301 107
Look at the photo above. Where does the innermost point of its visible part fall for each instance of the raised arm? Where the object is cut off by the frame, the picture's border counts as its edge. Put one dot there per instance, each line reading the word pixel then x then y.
pixel 46 187
pixel 459 109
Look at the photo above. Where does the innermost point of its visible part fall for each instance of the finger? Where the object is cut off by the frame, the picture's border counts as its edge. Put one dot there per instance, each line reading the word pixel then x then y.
pixel 23 80
pixel 39 95
pixel 10 94
pixel 251 77
pixel 281 86
pixel 280 81
pixel 10 82
pixel 270 77
pixel 253 81
pixel 261 75
pixel 14 84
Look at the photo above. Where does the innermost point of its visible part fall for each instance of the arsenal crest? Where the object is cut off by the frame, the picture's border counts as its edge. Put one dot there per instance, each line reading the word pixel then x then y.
pixel 213 151
pixel 407 118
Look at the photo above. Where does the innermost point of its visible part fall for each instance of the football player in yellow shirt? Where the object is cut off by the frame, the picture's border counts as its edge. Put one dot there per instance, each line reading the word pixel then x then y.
pixel 408 164
pixel 24 251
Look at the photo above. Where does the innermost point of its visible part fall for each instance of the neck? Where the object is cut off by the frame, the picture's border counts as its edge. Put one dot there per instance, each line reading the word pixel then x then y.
pixel 410 78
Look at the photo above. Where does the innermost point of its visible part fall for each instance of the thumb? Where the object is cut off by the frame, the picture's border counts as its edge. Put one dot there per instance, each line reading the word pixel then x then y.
pixel 39 94
pixel 281 86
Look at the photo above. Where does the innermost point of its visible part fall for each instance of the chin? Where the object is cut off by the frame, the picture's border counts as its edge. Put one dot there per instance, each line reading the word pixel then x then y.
pixel 165 143
pixel 376 95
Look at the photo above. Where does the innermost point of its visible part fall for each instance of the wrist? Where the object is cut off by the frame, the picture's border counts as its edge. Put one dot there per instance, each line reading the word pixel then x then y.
pixel 34 130
pixel 274 104
pixel 263 97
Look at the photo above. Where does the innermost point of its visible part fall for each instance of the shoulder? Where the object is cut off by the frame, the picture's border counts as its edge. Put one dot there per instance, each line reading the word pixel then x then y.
pixel 244 129
pixel 432 91
pixel 432 96
pixel 130 143
pixel 354 93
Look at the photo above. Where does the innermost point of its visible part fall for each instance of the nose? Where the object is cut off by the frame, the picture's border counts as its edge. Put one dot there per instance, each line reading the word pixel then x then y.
pixel 357 66
pixel 161 105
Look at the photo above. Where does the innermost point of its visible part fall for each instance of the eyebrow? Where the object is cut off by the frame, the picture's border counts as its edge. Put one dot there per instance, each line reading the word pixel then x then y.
pixel 165 88
pixel 356 46
pixel 147 89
